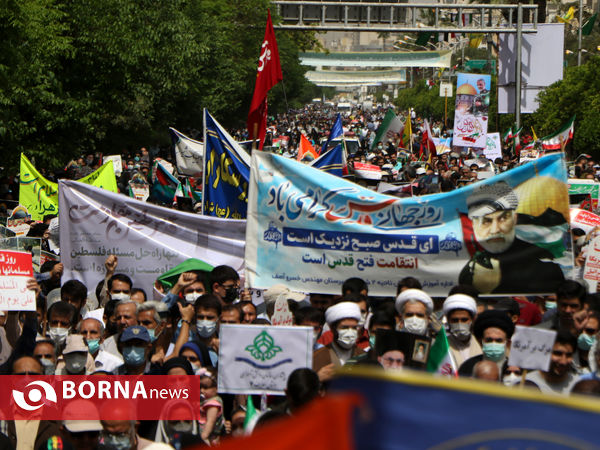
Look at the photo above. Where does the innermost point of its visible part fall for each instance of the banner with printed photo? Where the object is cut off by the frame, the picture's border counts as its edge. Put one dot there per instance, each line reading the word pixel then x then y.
pixel 471 110
pixel 147 239
pixel 311 231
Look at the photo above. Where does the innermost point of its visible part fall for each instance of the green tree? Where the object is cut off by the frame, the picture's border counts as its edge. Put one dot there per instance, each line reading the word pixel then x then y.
pixel 578 93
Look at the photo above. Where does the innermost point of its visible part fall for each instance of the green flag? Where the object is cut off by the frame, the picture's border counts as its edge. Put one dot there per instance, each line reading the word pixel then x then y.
pixel 588 26
pixel 423 38
pixel 169 278
pixel 250 412
pixel 390 125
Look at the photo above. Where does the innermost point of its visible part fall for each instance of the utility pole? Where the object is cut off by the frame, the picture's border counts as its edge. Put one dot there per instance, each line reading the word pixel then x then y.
pixel 518 66
pixel 579 33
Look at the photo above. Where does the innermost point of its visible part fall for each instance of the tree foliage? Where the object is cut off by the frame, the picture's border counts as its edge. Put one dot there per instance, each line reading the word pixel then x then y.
pixel 578 93
pixel 106 75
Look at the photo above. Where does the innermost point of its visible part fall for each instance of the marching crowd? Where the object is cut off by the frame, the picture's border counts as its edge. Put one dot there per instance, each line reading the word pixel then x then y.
pixel 118 327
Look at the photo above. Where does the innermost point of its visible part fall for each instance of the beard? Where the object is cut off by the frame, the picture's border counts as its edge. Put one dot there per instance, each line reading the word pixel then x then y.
pixel 497 243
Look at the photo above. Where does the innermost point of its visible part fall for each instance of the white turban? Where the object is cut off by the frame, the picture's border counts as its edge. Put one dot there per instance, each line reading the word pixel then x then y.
pixel 415 295
pixel 460 301
pixel 490 198
pixel 343 310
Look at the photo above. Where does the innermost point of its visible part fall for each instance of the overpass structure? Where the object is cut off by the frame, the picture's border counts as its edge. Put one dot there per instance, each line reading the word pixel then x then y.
pixel 402 16
pixel 335 78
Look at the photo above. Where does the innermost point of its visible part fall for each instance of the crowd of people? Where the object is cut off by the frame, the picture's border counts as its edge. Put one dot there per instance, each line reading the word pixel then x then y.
pixel 118 327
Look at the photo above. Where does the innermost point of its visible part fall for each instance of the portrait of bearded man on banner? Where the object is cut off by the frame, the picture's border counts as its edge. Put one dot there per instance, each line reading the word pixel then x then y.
pixel 501 263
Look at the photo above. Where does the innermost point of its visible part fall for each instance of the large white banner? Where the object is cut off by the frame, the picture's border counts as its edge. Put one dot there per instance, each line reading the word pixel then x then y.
pixel 542 65
pixel 147 239
pixel 189 154
pixel 259 360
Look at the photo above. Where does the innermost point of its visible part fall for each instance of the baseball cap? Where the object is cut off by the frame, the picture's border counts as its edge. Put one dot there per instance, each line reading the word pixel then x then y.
pixel 135 332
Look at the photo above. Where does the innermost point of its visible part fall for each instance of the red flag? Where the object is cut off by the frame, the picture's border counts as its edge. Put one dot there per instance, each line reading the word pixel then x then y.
pixel 323 424
pixel 426 138
pixel 267 76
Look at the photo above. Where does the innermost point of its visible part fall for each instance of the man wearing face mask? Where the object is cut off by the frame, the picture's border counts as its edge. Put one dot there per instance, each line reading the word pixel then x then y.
pixel 125 316
pixel 493 330
pixel 134 345
pixel 62 317
pixel 190 285
pixel 92 330
pixel 342 319
pixel 225 283
pixel 414 307
pixel 116 286
pixel 460 311
pixel 148 316
pixel 45 352
pixel 75 358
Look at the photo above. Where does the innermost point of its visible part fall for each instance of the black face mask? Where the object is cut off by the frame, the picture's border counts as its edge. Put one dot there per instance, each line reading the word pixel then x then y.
pixel 230 294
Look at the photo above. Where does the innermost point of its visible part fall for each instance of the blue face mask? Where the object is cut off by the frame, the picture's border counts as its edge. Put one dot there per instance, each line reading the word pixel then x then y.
pixel 152 335
pixel 134 356
pixel 585 341
pixel 93 345
pixel 493 351
pixel 372 341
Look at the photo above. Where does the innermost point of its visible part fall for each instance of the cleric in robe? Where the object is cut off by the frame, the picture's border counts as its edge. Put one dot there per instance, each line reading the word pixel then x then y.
pixel 502 263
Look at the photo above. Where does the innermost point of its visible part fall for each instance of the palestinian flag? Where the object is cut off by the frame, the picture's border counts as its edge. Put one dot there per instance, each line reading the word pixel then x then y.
pixel 565 134
pixel 440 360
pixel 387 130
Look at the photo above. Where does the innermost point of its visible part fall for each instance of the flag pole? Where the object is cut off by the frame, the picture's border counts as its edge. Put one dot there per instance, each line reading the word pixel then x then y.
pixel 204 161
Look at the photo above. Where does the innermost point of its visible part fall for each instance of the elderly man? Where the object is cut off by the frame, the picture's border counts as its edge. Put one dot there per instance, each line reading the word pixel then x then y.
pixel 342 319
pixel 506 264
pixel 493 330
pixel 460 311
pixel 414 307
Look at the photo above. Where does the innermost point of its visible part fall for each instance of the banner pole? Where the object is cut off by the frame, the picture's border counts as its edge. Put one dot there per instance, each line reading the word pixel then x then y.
pixel 204 161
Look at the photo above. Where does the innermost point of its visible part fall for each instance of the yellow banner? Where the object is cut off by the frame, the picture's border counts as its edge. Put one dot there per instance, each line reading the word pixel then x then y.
pixel 40 196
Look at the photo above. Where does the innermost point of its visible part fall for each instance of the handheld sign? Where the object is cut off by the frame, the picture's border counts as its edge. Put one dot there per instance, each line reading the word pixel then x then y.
pixel 531 348
pixel 15 269
pixel 259 360
pixel 591 270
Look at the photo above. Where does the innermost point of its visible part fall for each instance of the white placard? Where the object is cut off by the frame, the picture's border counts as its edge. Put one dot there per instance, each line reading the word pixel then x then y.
pixel 445 89
pixel 117 163
pixel 493 148
pixel 591 270
pixel 259 360
pixel 531 348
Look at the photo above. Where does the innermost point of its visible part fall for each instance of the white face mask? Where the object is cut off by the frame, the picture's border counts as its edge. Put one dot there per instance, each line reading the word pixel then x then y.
pixel 363 318
pixel 461 331
pixel 75 362
pixel 58 335
pixel 120 296
pixel 191 297
pixel 511 379
pixel 415 325
pixel 206 328
pixel 347 338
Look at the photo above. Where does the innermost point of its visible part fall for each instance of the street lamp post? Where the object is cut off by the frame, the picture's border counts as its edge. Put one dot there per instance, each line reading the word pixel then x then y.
pixel 579 33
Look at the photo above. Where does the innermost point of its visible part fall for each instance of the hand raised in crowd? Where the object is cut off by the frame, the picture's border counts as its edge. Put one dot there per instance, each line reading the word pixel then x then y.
pixel 111 264
pixel 184 280
pixel 326 373
pixel 187 312
pixel 580 319
pixel 57 271
pixel 33 285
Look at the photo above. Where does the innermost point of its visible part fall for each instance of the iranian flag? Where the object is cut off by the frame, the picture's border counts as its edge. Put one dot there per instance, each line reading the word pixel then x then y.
pixel 427 140
pixel 440 361
pixel 565 134
pixel 389 127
